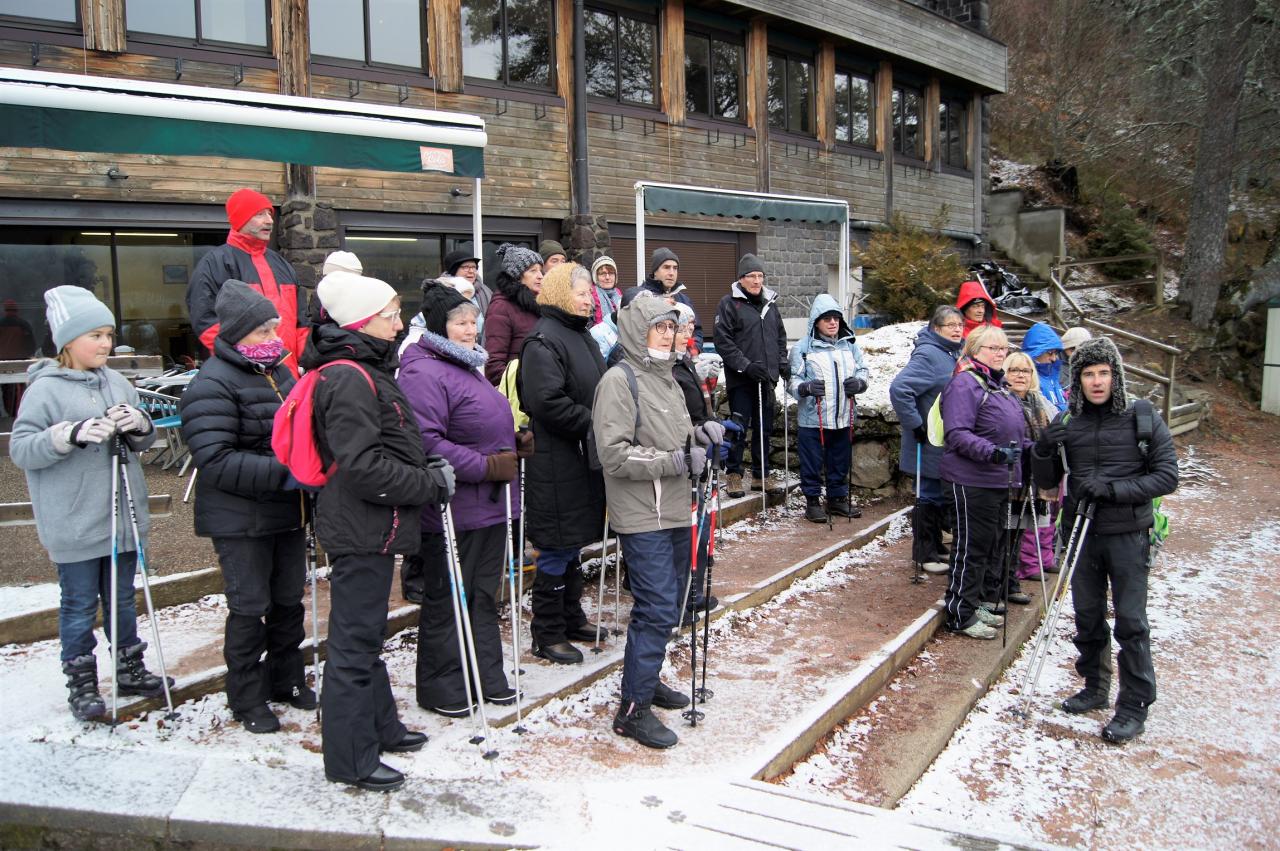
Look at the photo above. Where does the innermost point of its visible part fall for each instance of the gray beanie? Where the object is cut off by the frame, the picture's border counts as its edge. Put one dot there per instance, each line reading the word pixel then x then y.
pixel 515 259
pixel 660 256
pixel 73 311
pixel 748 264
pixel 240 309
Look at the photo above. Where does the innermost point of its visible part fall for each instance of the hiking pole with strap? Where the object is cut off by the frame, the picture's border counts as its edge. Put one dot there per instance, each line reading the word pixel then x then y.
pixel 700 500
pixel 515 613
pixel 692 714
pixel 764 489
pixel 786 455
pixel 122 454
pixel 1010 536
pixel 822 444
pixel 704 694
pixel 604 574
pixel 918 520
pixel 1035 526
pixel 309 505
pixel 115 586
pixel 466 640
pixel 848 494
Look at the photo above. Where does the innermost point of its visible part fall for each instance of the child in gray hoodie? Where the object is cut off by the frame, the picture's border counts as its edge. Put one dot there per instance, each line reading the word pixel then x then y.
pixel 74 410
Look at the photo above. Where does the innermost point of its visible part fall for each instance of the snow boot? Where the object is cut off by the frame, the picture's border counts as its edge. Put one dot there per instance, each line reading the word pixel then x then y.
pixel 258 719
pixel 82 688
pixel 577 627
pixel 635 721
pixel 1122 728
pixel 1086 700
pixel 134 676
pixel 813 510
pixel 547 627
pixel 299 696
pixel 841 507
pixel 665 697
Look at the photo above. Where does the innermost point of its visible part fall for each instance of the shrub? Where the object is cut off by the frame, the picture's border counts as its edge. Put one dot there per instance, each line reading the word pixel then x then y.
pixel 908 270
pixel 1119 231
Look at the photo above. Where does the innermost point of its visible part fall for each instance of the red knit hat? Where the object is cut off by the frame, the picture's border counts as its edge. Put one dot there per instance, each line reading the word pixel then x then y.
pixel 244 204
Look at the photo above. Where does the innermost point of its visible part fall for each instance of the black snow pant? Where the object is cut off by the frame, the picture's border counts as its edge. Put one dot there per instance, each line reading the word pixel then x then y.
pixel 358 712
pixel 744 404
pixel 264 580
pixel 440 671
pixel 1122 560
pixel 975 550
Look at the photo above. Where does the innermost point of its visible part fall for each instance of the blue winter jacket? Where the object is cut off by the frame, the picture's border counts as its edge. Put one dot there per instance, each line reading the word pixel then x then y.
pixel 816 358
pixel 913 390
pixel 1042 338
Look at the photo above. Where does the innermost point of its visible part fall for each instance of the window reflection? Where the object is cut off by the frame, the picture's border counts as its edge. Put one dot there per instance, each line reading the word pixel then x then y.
pixel 508 41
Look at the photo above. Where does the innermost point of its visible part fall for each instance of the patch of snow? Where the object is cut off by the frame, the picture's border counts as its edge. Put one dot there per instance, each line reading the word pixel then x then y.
pixel 18 600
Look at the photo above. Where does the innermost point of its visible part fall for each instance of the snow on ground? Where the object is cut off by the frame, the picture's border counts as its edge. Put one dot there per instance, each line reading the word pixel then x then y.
pixel 887 350
pixel 20 599
pixel 1010 173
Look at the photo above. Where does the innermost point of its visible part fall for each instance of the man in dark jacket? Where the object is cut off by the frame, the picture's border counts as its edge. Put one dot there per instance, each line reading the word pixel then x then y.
pixel 1110 468
pixel 246 257
pixel 663 280
pixel 750 336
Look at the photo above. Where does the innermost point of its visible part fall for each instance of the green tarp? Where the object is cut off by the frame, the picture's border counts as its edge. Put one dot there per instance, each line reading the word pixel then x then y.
pixel 659 199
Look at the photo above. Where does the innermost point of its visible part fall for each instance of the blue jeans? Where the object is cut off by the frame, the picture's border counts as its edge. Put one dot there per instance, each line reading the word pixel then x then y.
pixel 658 563
pixel 83 584
pixel 826 452
pixel 555 562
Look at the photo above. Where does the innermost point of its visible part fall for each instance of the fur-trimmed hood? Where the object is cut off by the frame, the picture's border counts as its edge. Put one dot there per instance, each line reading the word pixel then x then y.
pixel 1091 353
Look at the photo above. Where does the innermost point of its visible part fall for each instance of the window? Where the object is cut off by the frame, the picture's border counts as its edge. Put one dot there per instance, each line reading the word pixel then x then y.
pixel 373 32
pixel 200 21
pixel 508 41
pixel 908 122
pixel 63 11
pixel 855 109
pixel 791 98
pixel 953 132
pixel 712 76
pixel 622 56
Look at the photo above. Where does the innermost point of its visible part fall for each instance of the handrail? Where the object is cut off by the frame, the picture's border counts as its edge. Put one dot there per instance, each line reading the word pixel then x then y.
pixel 1156 278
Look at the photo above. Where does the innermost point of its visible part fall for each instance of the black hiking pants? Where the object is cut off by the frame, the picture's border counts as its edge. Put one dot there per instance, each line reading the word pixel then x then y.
pixel 976 514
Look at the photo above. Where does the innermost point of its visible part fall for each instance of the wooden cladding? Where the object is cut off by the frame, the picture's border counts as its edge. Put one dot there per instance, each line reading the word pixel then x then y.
pixel 103 22
pixel 444 50
pixel 671 73
pixel 826 83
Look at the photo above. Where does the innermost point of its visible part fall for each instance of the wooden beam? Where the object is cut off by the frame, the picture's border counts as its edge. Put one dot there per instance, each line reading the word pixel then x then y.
pixel 758 97
pixel 291 42
pixel 671 50
pixel 884 138
pixel 103 22
pixel 826 100
pixel 932 102
pixel 564 55
pixel 444 48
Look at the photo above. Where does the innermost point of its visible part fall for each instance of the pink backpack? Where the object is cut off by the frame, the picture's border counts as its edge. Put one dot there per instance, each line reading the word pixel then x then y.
pixel 293 438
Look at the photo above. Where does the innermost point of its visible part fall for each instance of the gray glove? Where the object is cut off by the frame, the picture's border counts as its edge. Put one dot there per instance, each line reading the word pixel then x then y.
pixel 128 419
pixel 697 455
pixel 96 430
pixel 442 474
pixel 709 433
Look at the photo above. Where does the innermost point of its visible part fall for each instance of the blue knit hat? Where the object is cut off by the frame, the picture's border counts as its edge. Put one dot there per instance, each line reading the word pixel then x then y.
pixel 73 311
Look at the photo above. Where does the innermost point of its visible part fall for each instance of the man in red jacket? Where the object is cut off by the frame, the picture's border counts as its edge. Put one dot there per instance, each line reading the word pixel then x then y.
pixel 245 257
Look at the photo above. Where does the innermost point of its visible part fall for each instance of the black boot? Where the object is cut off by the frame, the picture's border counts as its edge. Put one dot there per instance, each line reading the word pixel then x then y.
pixel 813 510
pixel 665 697
pixel 547 627
pixel 1086 700
pixel 134 676
pixel 412 579
pixel 82 688
pixel 635 721
pixel 1122 728
pixel 576 625
pixel 842 507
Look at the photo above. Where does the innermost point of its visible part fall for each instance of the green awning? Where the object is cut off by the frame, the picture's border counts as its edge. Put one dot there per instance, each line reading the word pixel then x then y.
pixel 76 113
pixel 663 199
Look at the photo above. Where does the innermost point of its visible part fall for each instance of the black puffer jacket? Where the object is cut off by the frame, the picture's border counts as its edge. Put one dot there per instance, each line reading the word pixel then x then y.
pixel 750 331
pixel 227 414
pixel 1104 444
pixel 686 375
pixel 560 366
pixel 373 501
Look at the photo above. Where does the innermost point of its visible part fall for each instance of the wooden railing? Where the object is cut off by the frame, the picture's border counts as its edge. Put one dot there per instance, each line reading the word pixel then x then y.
pixel 1155 280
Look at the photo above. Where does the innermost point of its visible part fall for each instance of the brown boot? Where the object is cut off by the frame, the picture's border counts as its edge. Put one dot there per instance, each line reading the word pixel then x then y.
pixel 735 486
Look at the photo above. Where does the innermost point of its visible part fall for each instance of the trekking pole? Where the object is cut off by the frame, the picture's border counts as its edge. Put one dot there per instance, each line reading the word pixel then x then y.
pixel 920 575
pixel 695 525
pixel 519 600
pixel 786 454
pixel 1009 537
pixel 466 641
pixel 309 505
pixel 849 483
pixel 516 619
pixel 1071 557
pixel 691 714
pixel 122 451
pixel 704 694
pixel 115 586
pixel 604 574
pixel 822 444
pixel 1035 524
pixel 764 490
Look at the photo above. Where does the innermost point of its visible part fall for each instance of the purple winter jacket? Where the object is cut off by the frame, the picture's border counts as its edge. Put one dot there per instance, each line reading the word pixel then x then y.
pixel 463 418
pixel 975 427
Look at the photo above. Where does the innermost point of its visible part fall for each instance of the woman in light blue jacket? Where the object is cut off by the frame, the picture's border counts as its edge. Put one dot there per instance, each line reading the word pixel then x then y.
pixel 827 372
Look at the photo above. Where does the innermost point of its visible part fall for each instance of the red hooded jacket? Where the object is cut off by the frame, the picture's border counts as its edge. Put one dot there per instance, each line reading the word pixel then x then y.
pixel 969 291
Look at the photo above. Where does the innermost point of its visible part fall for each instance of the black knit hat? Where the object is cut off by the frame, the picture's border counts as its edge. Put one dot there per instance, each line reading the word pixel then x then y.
pixel 438 300
pixel 456 258
pixel 660 256
pixel 240 309
pixel 748 264
pixel 1099 350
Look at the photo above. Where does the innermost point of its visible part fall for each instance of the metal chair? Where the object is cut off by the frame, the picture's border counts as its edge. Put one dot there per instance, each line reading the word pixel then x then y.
pixel 164 414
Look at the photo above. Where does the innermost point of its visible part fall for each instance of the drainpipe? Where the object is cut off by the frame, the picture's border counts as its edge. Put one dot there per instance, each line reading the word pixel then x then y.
pixel 581 184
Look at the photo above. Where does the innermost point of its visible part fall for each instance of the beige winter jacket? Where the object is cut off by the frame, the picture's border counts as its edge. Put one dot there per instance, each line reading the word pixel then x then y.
pixel 644 490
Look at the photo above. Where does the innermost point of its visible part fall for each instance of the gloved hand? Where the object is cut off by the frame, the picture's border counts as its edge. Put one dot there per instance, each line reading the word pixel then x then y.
pixel 1005 455
pixel 442 474
pixel 921 433
pixel 524 443
pixel 1050 438
pixel 128 419
pixel 698 457
pixel 853 385
pixel 500 466
pixel 95 430
pixel 733 429
pixel 60 436
pixel 724 453
pixel 816 389
pixel 784 370
pixel 709 433
pixel 1097 490
pixel 757 373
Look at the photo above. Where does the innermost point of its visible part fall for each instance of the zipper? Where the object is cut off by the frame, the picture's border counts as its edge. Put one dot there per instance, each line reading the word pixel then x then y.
pixel 395 527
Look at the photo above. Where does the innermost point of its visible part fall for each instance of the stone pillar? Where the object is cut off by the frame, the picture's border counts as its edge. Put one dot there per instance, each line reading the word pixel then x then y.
pixel 585 238
pixel 307 233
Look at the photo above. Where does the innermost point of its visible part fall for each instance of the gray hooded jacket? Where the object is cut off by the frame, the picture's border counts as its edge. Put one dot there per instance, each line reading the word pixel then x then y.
pixel 645 492
pixel 71 494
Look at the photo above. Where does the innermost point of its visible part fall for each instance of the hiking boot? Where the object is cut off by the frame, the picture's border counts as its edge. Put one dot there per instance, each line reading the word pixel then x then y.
pixel 1018 598
pixel 82 688
pixel 733 486
pixel 665 697
pixel 708 604
pixel 978 629
pixel 461 709
pixel 258 719
pixel 995 608
pixel 936 567
pixel 1122 728
pixel 412 741
pixel 841 507
pixel 813 510
pixel 502 697
pixel 757 483
pixel 299 697
pixel 776 483
pixel 988 618
pixel 586 632
pixel 134 676
pixel 562 653
pixel 383 779
pixel 1085 700
pixel 635 721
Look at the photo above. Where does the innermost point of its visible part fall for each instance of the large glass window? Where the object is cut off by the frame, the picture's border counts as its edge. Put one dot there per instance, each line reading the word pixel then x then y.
pixel 712 76
pixel 791 100
pixel 622 56
pixel 63 11
pixel 375 32
pixel 200 21
pixel 855 109
pixel 508 41
pixel 908 122
pixel 953 132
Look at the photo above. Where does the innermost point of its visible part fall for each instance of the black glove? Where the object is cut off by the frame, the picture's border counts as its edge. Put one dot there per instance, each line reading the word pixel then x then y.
pixel 784 369
pixel 922 436
pixel 757 373
pixel 816 389
pixel 1050 438
pixel 524 443
pixel 442 475
pixel 853 385
pixel 1006 455
pixel 1097 490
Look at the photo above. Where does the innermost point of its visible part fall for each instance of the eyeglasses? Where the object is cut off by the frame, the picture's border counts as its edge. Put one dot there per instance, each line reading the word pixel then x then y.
pixel 388 314
pixel 952 325
pixel 667 327
pixel 995 348
pixel 1020 371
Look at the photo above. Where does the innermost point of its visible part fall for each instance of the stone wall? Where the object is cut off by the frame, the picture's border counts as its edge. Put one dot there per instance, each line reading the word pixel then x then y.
pixel 307 233
pixel 975 14
pixel 799 260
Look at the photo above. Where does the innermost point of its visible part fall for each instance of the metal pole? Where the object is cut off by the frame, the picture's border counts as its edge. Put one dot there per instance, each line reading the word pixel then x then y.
pixel 640 275
pixel 581 176
pixel 477 230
